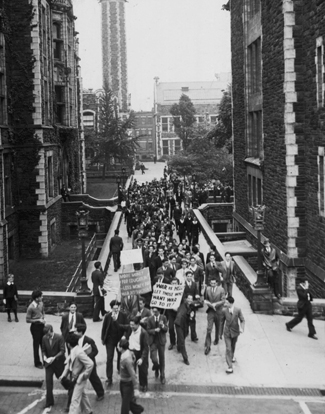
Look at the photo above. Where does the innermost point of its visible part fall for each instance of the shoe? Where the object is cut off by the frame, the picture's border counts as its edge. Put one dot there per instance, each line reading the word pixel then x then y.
pixel 157 373
pixel 288 329
pixel 100 397
pixel 163 380
pixel 39 366
pixel 186 362
pixel 145 388
pixel 109 382
pixel 115 270
pixel 195 340
pixel 155 367
pixel 215 342
pixel 229 371
pixel 234 359
pixel 66 410
pixel 9 319
pixel 312 336
pixel 16 320
pixel 48 408
pixel 206 351
pixel 170 347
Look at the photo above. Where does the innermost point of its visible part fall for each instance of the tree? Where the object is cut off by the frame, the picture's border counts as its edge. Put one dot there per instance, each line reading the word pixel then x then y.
pixel 184 118
pixel 114 137
pixel 205 160
pixel 222 132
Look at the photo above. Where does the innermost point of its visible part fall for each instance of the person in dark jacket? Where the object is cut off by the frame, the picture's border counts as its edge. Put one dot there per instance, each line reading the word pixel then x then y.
pixel 188 226
pixel 115 324
pixel 115 248
pixel 182 324
pixel 10 297
pixel 304 309
pixel 89 346
pixel 97 277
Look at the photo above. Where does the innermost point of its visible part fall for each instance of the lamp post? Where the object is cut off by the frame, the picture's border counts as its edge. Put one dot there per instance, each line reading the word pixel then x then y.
pixel 123 176
pixel 258 218
pixel 82 221
pixel 194 189
pixel 118 182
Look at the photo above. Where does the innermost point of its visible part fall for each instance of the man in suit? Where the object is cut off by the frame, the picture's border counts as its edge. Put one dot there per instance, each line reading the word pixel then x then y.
pixel 201 255
pixel 190 289
pixel 167 271
pixel 173 264
pixel 271 266
pixel 150 261
pixel 139 344
pixel 171 315
pixel 130 305
pixel 198 274
pixel 182 323
pixel 97 277
pixel 212 270
pixel 115 248
pixel 80 366
pixel 157 328
pixel 70 320
pixel 304 309
pixel 139 246
pixel 214 298
pixel 53 357
pixel 36 317
pixel 115 323
pixel 160 259
pixel 228 273
pixel 89 346
pixel 231 316
pixel 143 312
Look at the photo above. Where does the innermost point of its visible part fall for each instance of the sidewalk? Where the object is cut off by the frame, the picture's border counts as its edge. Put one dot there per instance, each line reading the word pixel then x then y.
pixel 267 355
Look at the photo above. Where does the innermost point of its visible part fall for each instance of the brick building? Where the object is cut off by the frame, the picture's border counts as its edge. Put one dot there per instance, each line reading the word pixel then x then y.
pixel 205 96
pixel 279 130
pixel 114 50
pixel 39 124
pixel 145 130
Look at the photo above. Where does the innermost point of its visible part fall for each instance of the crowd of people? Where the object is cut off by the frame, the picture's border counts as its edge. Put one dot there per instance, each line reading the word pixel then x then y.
pixel 161 223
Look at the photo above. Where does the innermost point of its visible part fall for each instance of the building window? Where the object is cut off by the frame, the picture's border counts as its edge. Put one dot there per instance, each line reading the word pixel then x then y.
pixel 7 161
pixel 88 119
pixel 57 41
pixel 200 119
pixel 254 186
pixel 164 124
pixel 254 65
pixel 2 81
pixel 177 145
pixel 253 7
pixel 50 177
pixel 60 104
pixel 213 119
pixel 165 147
pixel 321 182
pixel 320 72
pixel 185 88
pixel 254 134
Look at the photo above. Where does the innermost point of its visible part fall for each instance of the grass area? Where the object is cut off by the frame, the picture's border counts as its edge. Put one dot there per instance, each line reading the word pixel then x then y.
pixel 51 274
pixel 101 189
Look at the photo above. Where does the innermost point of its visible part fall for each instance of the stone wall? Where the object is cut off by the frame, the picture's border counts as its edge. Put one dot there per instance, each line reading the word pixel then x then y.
pixel 220 211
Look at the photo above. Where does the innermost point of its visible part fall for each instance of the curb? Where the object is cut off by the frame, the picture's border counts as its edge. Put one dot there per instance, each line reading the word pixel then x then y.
pixel 21 383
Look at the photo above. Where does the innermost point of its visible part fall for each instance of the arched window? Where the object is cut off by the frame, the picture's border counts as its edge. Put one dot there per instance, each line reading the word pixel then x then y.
pixel 88 119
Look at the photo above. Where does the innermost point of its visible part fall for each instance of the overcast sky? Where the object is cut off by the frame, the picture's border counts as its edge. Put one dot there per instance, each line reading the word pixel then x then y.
pixel 176 40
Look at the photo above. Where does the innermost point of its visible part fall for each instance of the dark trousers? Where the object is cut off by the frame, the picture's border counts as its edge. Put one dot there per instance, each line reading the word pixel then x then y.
pixel 37 334
pixel 129 229
pixel 116 260
pixel 128 399
pixel 195 239
pixel 99 307
pixel 273 281
pixel 96 382
pixel 143 369
pixel 171 326
pixel 157 351
pixel 56 368
pixel 305 311
pixel 110 349
pixel 213 318
pixel 192 325
pixel 230 349
pixel 181 335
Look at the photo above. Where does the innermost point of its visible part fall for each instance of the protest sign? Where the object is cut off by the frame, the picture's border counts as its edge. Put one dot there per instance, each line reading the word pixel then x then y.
pixel 135 283
pixel 131 256
pixel 166 296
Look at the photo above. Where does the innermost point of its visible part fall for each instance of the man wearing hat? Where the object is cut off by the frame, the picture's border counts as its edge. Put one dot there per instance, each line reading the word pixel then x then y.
pixel 271 265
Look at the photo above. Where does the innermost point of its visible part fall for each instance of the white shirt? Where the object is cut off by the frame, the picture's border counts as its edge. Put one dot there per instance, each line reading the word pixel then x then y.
pixel 74 320
pixel 231 310
pixel 134 340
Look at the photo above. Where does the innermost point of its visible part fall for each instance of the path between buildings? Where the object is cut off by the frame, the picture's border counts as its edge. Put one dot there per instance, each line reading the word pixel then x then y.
pixel 267 355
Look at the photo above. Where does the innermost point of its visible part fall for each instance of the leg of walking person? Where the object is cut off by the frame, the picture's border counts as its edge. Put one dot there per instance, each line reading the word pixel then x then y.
pixel 207 343
pixel 97 305
pixel 161 354
pixel 297 319
pixel 49 385
pixel 110 347
pixel 228 351
pixel 96 382
pixel 181 342
pixel 309 316
pixel 217 318
pixel 37 334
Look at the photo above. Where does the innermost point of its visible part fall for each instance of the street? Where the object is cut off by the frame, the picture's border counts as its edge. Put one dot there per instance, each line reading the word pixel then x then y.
pixel 23 401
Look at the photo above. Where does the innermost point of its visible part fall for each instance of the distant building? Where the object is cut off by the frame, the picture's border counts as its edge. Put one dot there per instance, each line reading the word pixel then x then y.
pixel 144 129
pixel 278 95
pixel 40 108
pixel 114 50
pixel 205 96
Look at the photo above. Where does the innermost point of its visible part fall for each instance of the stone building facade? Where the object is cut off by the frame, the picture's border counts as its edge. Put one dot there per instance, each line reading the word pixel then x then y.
pixel 114 50
pixel 279 131
pixel 39 124
pixel 205 96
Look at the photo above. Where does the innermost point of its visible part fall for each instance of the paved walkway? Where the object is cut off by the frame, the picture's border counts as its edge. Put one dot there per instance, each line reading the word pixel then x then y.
pixel 267 355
